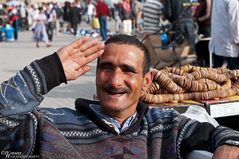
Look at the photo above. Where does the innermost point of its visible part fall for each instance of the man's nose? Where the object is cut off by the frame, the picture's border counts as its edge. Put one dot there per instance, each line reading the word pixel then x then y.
pixel 116 78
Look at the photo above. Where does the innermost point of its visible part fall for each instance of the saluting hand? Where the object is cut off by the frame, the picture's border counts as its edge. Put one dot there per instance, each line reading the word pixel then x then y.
pixel 76 56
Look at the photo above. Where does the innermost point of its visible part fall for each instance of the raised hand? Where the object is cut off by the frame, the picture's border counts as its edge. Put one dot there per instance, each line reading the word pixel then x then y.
pixel 76 56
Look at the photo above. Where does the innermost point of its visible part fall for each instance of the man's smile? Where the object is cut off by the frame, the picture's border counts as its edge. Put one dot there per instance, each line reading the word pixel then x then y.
pixel 116 91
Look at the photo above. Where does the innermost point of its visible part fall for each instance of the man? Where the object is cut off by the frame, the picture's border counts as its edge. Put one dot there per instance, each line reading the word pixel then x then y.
pixel 152 12
pixel 126 16
pixel 23 17
pixel 224 43
pixel 179 14
pixel 111 7
pixel 75 17
pixel 51 20
pixel 137 14
pixel 14 21
pixel 118 126
pixel 202 17
pixel 102 11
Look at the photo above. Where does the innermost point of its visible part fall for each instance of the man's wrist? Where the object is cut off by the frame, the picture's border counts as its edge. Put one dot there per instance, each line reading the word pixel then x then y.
pixel 226 151
pixel 53 70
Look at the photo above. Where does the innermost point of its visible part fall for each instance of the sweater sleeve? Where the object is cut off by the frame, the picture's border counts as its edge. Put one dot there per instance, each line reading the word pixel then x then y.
pixel 194 135
pixel 19 98
pixel 24 92
pixel 53 70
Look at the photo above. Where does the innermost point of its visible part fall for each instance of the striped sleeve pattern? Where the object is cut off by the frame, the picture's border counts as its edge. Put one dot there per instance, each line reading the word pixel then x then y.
pixel 224 135
pixel 152 10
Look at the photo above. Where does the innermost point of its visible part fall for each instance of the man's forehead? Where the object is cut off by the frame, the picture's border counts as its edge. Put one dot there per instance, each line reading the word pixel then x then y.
pixel 123 52
pixel 122 47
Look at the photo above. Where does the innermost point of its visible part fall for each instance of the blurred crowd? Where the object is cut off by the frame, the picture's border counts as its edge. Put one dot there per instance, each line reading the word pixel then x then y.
pixel 60 17
pixel 141 18
pixel 66 17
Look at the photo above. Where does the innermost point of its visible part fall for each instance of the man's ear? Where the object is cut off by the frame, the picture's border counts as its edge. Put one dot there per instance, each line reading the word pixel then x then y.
pixel 148 78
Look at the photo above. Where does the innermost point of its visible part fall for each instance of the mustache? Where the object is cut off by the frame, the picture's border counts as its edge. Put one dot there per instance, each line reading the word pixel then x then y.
pixel 112 89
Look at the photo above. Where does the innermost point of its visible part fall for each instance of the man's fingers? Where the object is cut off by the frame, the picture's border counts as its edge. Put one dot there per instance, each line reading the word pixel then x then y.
pixel 92 57
pixel 78 43
pixel 89 44
pixel 94 49
pixel 83 70
pixel 82 61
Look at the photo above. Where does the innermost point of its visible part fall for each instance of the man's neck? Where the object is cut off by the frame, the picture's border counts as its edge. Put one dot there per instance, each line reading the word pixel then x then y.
pixel 121 117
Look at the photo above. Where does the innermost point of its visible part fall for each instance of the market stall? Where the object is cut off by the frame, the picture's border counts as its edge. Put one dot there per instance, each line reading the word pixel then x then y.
pixel 215 89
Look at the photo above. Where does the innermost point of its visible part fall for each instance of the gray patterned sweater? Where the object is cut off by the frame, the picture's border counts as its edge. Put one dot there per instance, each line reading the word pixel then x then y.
pixel 27 131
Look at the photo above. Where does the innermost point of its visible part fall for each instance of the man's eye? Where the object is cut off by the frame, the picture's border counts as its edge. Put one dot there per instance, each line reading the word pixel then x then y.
pixel 128 71
pixel 106 67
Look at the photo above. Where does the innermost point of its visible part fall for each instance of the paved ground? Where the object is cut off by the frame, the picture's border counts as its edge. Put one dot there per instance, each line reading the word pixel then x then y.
pixel 15 55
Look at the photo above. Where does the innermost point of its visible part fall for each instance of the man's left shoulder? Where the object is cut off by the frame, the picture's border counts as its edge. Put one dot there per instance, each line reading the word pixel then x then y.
pixel 61 115
pixel 162 113
pixel 163 110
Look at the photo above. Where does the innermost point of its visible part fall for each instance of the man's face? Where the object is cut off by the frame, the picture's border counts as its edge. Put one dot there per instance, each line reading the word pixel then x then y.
pixel 119 79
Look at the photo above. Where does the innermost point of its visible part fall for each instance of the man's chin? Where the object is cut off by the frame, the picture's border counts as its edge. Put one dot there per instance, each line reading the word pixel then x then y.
pixel 113 97
pixel 112 105
pixel 114 101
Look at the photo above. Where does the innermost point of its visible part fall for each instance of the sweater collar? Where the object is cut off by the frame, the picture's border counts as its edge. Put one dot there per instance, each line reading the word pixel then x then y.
pixel 82 105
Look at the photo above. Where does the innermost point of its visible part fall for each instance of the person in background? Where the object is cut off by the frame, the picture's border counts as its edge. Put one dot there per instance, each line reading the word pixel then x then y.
pixel 224 43
pixel 152 13
pixel 74 17
pixel 90 12
pixel 119 125
pixel 102 12
pixel 180 14
pixel 23 17
pixel 40 33
pixel 81 5
pixel 126 16
pixel 137 13
pixel 32 11
pixel 3 16
pixel 2 11
pixel 59 18
pixel 14 20
pixel 111 6
pixel 118 22
pixel 202 17
pixel 66 15
pixel 51 20
pixel 8 31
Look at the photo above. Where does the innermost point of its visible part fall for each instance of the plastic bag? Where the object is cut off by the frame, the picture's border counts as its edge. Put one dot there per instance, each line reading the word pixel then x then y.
pixel 95 23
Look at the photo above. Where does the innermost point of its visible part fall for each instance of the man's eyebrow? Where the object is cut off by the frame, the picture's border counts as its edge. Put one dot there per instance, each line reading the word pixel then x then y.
pixel 128 68
pixel 105 63
pixel 124 67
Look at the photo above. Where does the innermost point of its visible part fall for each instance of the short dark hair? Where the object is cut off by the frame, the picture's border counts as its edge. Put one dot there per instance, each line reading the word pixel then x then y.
pixel 131 40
